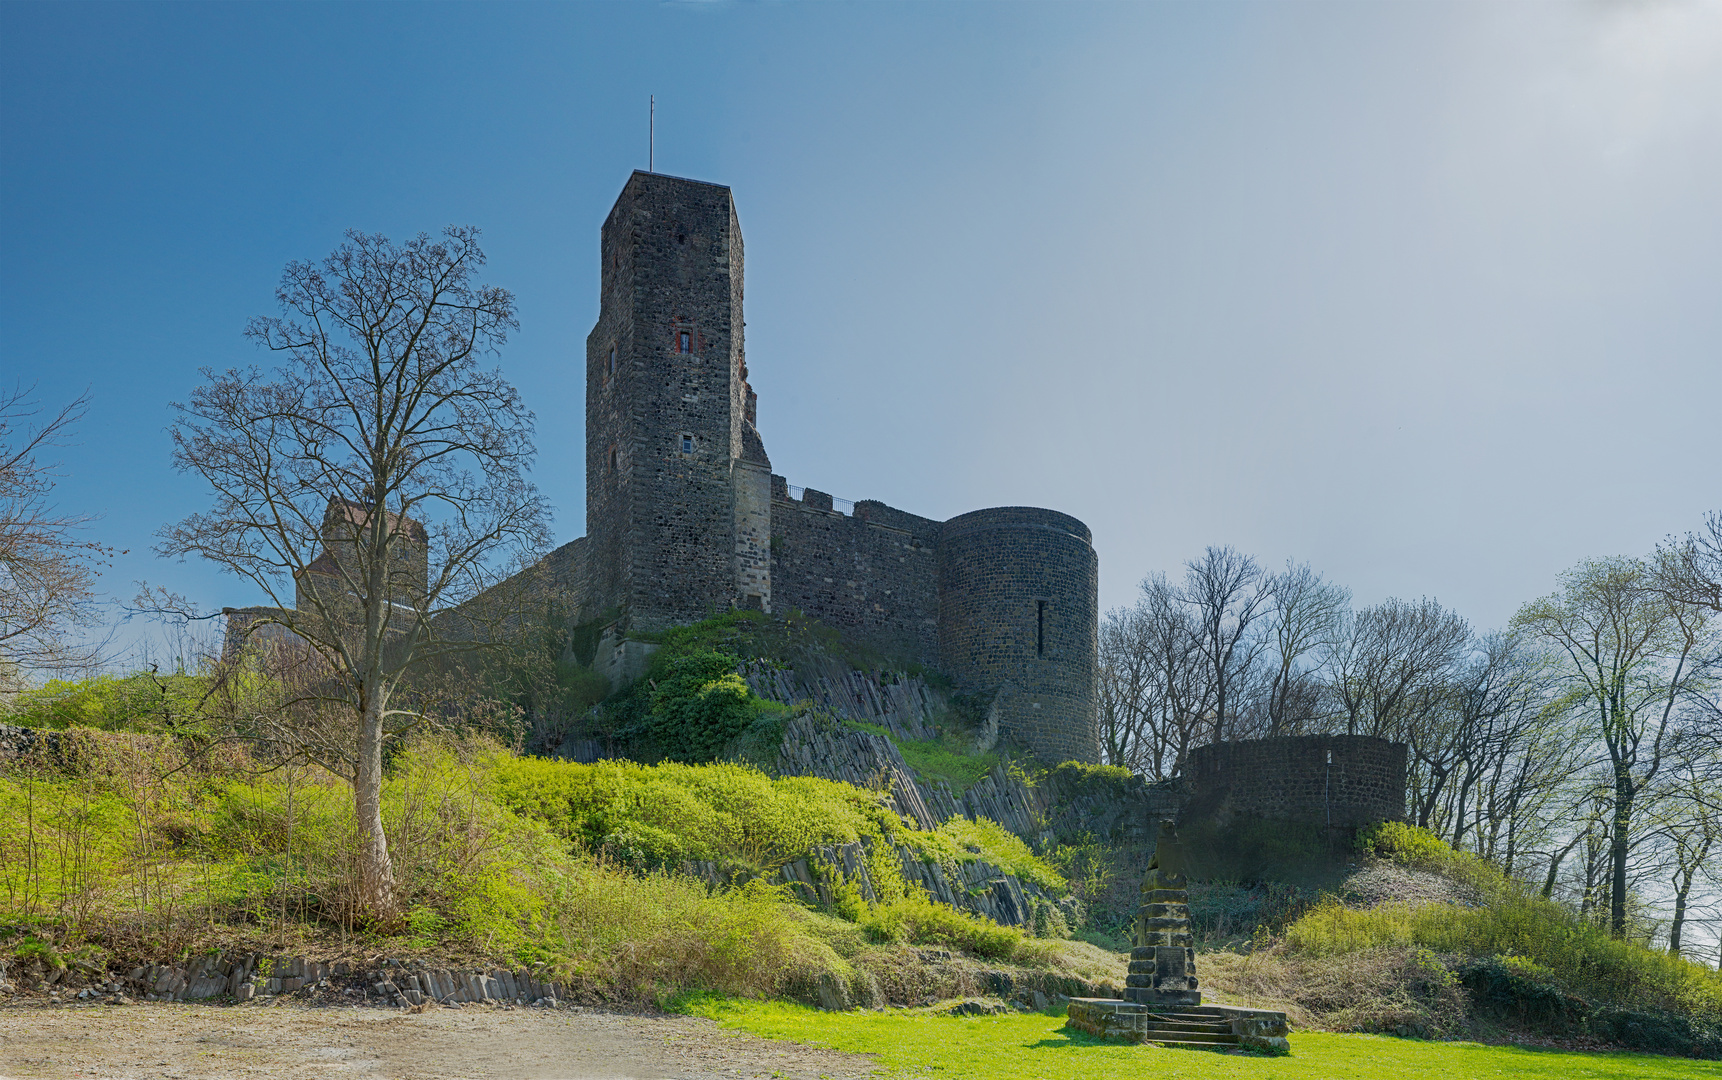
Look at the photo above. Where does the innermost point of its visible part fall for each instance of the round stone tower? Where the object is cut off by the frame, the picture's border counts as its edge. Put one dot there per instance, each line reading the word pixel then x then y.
pixel 1019 622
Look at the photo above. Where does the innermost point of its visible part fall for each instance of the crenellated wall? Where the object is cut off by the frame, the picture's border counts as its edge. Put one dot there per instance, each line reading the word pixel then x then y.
pixel 872 574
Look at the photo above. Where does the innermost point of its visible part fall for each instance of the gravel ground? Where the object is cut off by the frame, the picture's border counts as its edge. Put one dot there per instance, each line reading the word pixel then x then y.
pixel 203 1042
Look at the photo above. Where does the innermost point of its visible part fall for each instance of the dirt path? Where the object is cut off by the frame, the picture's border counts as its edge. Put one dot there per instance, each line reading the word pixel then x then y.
pixel 201 1042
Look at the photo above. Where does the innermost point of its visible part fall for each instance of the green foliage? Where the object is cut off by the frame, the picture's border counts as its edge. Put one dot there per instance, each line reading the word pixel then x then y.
pixel 141 701
pixel 975 840
pixel 691 705
pixel 1036 1045
pixel 662 815
pixel 1082 774
pixel 947 759
pixel 1409 845
pixel 43 952
pixel 1402 843
pixel 525 859
pixel 916 920
pixel 1564 949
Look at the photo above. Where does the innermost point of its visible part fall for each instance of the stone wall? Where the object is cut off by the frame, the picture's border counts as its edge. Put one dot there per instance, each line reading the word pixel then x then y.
pixel 872 574
pixel 666 402
pixel 1348 781
pixel 1019 618
pixel 684 518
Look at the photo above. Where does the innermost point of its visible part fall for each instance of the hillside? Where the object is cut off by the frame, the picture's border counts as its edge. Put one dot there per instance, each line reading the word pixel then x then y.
pixel 858 842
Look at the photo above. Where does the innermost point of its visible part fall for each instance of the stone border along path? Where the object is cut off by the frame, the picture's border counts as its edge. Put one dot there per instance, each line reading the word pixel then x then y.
pixel 255 976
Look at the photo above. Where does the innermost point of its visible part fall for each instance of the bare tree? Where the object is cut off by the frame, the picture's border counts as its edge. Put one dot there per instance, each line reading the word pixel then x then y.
pixel 1226 593
pixel 47 574
pixel 1391 667
pixel 1689 571
pixel 1307 614
pixel 1129 692
pixel 1693 827
pixel 375 479
pixel 1527 758
pixel 1156 687
pixel 1630 650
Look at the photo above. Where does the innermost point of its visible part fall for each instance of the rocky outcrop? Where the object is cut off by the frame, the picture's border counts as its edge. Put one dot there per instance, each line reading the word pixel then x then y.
pixel 813 746
pixel 21 742
pixel 902 704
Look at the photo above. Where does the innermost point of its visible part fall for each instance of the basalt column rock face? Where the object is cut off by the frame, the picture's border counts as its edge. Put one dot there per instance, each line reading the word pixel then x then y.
pixel 1163 962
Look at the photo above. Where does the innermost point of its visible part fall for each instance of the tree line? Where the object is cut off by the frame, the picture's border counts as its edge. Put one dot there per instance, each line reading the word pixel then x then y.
pixel 1579 748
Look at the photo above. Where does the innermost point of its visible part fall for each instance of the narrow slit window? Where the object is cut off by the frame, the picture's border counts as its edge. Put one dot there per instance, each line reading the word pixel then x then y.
pixel 1040 628
pixel 612 459
pixel 612 361
pixel 684 342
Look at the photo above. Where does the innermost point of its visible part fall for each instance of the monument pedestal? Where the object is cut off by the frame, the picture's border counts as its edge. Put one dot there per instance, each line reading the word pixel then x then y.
pixel 1197 1026
pixel 1162 1000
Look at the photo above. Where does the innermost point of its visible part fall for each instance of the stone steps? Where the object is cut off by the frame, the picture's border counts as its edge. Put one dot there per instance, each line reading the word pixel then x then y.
pixel 1193 1028
pixel 1201 1027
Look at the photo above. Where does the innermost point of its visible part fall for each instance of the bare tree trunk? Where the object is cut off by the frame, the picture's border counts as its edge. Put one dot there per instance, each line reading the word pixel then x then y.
pixel 1555 861
pixel 1619 847
pixel 376 871
pixel 1682 890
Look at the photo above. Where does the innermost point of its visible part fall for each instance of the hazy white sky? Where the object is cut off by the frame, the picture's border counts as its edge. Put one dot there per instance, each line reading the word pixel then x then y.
pixel 1429 296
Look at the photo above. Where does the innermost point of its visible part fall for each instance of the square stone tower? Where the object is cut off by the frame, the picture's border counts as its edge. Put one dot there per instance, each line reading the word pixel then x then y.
pixel 678 485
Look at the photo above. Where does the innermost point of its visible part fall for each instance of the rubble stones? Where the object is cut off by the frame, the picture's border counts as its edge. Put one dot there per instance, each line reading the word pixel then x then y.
pixel 243 977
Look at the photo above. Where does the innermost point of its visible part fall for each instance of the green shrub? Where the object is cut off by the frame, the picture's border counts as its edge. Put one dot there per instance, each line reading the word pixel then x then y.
pixel 662 815
pixel 533 860
pixel 946 759
pixel 1410 845
pixel 141 701
pixel 917 920
pixel 1402 843
pixel 1567 951
pixel 971 841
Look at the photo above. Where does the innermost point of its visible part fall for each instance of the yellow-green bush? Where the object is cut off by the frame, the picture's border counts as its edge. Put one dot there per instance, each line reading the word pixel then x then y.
pixel 961 840
pixel 1410 845
pixel 1580 956
pixel 661 815
pixel 916 920
pixel 494 855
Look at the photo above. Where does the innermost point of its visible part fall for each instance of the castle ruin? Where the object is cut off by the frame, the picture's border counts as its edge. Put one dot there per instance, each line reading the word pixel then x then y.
pixel 684 516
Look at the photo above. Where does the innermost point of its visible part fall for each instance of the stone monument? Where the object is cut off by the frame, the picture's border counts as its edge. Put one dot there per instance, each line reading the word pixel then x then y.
pixel 1162 1002
pixel 1163 961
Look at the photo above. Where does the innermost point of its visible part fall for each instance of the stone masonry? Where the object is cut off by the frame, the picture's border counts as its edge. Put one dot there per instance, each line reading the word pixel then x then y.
pixel 1019 616
pixel 1163 961
pixel 684 517
pixel 1341 781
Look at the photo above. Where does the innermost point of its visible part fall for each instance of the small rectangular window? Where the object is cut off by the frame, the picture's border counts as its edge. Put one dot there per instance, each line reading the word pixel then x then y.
pixel 687 444
pixel 684 342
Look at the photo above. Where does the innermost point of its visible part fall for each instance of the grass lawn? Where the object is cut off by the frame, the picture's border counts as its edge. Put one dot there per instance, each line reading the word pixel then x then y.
pixel 1034 1046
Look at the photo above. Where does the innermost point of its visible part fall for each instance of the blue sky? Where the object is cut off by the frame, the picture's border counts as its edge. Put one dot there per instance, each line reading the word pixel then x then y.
pixel 1429 296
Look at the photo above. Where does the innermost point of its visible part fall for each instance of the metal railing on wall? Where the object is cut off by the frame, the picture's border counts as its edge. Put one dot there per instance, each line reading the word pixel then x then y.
pixel 842 506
